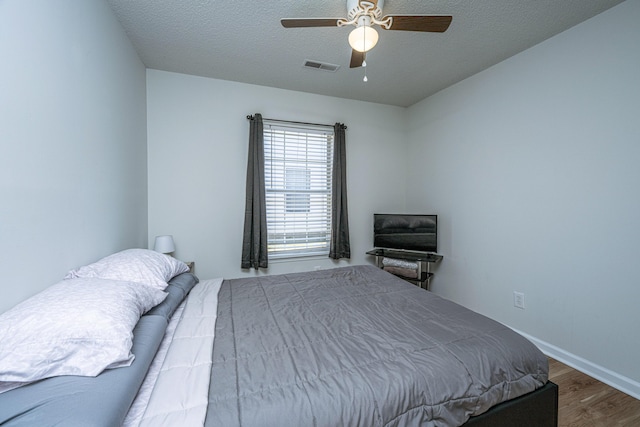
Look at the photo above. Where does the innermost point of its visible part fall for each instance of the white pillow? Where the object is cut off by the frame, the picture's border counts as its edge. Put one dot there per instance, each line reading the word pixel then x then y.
pixel 134 265
pixel 75 327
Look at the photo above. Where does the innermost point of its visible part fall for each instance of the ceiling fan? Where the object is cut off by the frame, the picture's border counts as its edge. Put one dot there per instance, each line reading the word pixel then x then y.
pixel 364 14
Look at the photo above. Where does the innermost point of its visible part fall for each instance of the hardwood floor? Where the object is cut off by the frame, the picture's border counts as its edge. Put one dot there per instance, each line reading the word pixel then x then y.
pixel 584 401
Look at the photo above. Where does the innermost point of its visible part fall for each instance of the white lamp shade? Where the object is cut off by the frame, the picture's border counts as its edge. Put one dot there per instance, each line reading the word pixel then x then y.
pixel 363 38
pixel 164 244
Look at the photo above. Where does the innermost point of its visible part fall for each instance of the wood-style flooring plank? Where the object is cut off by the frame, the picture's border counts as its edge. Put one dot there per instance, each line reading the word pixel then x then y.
pixel 586 402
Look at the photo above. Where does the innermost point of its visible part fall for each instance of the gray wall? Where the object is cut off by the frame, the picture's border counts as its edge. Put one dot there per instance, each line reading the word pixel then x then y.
pixel 73 179
pixel 532 166
pixel 198 142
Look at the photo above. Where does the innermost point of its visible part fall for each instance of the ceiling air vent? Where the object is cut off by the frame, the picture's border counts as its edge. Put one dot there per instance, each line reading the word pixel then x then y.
pixel 316 65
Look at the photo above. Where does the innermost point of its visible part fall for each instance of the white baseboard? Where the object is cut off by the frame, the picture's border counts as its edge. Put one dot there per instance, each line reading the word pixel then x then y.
pixel 607 376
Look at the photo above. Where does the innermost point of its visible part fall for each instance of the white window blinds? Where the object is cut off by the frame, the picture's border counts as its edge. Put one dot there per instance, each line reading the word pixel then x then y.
pixel 298 169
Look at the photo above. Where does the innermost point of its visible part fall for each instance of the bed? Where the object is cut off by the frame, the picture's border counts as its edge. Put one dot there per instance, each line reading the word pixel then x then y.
pixel 345 346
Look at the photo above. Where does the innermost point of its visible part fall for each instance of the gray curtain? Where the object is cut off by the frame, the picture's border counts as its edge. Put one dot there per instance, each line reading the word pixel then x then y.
pixel 254 240
pixel 339 246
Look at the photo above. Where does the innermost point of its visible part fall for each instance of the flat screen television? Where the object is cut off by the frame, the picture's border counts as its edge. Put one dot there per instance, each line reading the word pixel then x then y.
pixel 406 232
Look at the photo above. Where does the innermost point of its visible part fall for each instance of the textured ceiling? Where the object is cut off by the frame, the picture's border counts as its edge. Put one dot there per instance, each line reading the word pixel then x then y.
pixel 243 41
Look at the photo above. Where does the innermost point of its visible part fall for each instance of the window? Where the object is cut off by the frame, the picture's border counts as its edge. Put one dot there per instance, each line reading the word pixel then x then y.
pixel 298 184
pixel 298 168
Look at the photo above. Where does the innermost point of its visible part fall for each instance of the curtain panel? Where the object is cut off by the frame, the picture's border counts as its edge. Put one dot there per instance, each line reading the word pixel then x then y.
pixel 254 241
pixel 339 246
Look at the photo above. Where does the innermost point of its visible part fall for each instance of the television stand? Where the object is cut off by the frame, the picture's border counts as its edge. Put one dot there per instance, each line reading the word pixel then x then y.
pixel 422 259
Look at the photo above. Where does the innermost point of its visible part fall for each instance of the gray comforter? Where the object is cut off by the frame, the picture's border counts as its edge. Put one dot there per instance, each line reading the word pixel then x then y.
pixel 358 346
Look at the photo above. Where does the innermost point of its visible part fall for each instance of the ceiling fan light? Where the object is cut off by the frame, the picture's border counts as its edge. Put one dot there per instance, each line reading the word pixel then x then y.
pixel 363 38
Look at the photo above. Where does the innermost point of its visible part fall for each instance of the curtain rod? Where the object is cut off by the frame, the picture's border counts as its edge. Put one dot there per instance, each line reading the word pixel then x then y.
pixel 250 117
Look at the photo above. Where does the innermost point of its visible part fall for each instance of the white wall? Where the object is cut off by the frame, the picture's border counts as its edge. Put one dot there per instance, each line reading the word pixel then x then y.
pixel 72 136
pixel 533 167
pixel 198 141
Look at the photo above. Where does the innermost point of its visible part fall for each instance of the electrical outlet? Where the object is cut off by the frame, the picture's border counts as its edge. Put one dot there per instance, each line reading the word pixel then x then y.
pixel 518 299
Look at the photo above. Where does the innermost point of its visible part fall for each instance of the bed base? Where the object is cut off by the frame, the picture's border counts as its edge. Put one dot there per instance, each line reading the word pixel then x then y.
pixel 536 409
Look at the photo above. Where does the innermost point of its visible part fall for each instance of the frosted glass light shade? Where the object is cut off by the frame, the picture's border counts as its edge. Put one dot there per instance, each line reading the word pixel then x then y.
pixel 363 38
pixel 164 244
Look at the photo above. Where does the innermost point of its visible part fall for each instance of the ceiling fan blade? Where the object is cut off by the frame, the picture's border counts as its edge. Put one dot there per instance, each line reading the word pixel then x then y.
pixel 309 22
pixel 428 23
pixel 357 58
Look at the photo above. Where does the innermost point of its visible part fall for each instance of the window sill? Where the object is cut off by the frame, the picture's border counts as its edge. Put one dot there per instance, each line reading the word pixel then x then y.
pixel 297 258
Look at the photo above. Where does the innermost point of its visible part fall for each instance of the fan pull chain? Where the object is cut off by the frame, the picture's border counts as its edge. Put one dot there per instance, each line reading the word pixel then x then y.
pixel 364 58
